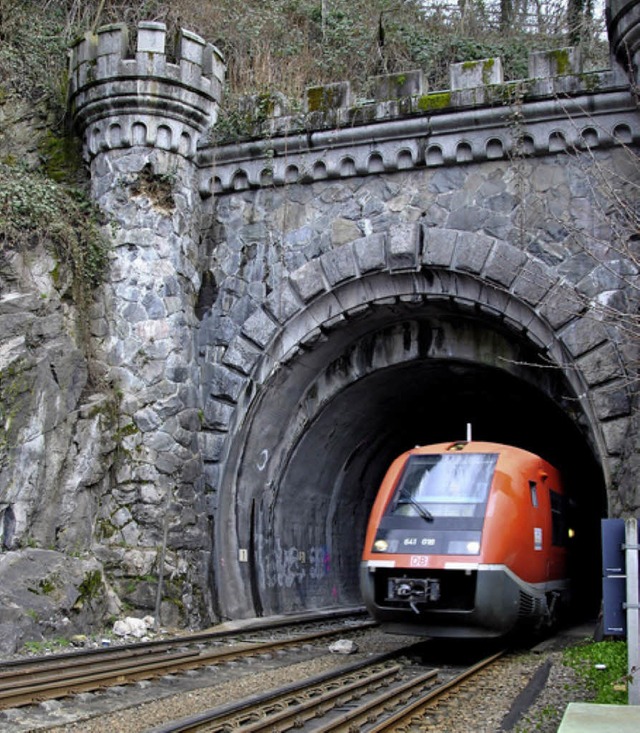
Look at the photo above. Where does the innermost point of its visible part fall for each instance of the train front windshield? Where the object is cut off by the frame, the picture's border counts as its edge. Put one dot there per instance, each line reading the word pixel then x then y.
pixel 444 485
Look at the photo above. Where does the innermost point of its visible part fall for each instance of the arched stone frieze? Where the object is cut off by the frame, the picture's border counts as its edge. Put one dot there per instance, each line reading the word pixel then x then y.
pixel 375 163
pixel 139 134
pixel 495 148
pixel 623 135
pixel 464 152
pixel 347 166
pixel 557 141
pixel 434 155
pixel 589 138
pixel 405 159
pixel 320 171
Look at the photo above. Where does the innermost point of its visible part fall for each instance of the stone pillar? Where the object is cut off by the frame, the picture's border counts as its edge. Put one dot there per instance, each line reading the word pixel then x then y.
pixel 141 115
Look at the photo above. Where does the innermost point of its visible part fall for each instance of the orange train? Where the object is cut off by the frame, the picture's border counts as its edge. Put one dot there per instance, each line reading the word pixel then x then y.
pixel 467 539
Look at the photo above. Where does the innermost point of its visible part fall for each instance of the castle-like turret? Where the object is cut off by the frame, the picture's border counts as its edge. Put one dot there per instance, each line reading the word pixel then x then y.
pixel 141 111
pixel 623 25
pixel 119 99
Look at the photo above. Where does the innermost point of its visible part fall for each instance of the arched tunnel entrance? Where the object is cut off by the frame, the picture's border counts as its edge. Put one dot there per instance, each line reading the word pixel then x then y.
pixel 322 430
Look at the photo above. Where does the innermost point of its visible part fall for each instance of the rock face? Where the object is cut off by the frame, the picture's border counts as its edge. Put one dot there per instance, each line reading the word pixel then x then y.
pixel 99 440
pixel 44 593
pixel 276 308
pixel 56 452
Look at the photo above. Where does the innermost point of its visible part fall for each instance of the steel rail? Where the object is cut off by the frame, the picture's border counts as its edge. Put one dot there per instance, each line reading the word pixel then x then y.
pixel 43 666
pixel 30 691
pixel 369 709
pixel 34 685
pixel 393 722
pixel 67 674
pixel 295 706
pixel 257 625
pixel 284 714
pixel 205 719
pixel 410 694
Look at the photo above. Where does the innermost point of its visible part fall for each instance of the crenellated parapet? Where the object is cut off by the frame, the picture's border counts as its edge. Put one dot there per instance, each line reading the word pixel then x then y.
pixel 128 90
pixel 403 125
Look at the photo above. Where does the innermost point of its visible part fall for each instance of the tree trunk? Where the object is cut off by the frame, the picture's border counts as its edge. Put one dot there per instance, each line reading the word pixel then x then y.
pixel 506 14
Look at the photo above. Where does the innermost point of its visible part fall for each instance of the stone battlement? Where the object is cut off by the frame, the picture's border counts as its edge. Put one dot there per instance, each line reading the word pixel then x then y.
pixel 110 53
pixel 124 93
pixel 479 83
pixel 404 126
pixel 471 83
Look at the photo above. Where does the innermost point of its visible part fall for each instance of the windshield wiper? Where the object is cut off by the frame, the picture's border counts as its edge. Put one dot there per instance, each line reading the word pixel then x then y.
pixel 424 513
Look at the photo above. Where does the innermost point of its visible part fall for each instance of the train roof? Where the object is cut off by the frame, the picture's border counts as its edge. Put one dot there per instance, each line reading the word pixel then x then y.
pixel 475 446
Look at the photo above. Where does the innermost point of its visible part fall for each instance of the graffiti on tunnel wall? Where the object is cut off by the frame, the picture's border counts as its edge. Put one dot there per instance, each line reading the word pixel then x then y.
pixel 288 566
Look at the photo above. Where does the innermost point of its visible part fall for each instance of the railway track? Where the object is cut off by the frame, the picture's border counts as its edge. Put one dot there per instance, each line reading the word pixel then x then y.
pixel 380 692
pixel 376 696
pixel 30 681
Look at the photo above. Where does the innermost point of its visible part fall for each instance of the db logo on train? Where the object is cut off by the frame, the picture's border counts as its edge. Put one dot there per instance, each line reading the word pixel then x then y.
pixel 419 561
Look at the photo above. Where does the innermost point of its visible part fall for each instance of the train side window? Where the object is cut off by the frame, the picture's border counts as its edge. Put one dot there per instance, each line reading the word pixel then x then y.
pixel 533 489
pixel 558 519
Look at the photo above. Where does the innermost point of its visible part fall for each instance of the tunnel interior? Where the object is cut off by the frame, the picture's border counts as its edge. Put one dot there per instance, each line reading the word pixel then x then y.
pixel 326 430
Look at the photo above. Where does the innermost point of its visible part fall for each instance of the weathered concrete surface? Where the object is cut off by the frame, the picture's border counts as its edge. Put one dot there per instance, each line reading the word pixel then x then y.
pixel 581 717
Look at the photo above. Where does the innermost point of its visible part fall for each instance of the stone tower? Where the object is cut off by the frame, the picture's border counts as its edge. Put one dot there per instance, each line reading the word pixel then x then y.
pixel 623 25
pixel 141 109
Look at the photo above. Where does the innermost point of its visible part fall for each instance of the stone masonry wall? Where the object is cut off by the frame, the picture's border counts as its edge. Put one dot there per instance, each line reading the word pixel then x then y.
pixel 106 475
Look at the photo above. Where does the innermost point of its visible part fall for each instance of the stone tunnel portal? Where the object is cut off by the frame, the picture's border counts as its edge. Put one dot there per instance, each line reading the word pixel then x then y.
pixel 323 429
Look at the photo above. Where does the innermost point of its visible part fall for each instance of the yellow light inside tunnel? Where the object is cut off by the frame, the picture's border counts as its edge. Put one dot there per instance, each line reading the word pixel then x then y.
pixel 380 545
pixel 571 533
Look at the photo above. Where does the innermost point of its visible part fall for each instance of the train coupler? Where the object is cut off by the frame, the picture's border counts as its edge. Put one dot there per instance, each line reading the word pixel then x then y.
pixel 413 590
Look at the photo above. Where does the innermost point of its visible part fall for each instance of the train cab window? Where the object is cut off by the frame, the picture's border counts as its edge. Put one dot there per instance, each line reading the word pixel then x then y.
pixel 558 519
pixel 533 489
pixel 449 485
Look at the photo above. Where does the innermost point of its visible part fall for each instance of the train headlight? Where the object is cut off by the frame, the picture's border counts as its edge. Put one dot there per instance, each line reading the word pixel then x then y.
pixel 463 546
pixel 380 545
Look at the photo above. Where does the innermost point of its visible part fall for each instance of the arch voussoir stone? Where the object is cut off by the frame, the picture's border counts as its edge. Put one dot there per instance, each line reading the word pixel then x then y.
pixel 402 247
pixel 472 251
pixel 308 280
pixel 533 281
pixel 438 246
pixel 582 334
pixel 369 253
pixel 339 265
pixel 560 305
pixel 504 263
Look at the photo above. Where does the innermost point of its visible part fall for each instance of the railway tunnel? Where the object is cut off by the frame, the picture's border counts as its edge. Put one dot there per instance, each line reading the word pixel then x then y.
pixel 326 420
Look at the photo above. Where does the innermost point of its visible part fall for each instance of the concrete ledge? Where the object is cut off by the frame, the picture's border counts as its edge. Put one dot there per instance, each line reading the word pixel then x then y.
pixel 582 717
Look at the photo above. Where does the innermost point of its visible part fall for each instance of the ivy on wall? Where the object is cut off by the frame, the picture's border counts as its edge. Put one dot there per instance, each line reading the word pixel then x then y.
pixel 34 207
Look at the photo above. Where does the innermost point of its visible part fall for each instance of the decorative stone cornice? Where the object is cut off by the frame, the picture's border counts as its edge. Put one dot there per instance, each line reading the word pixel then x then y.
pixel 119 98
